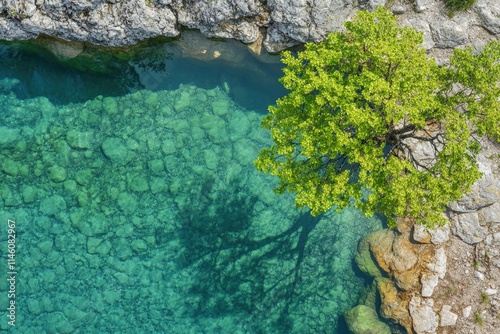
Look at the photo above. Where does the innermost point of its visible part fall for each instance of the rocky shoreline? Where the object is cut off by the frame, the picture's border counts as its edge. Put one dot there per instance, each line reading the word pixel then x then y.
pixel 444 280
pixel 274 24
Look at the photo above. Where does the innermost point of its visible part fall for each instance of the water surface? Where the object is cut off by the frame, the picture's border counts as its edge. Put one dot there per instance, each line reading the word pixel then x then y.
pixel 138 209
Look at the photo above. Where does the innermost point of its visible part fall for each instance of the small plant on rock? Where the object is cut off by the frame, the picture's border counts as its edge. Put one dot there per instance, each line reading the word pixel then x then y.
pixel 459 5
pixel 478 319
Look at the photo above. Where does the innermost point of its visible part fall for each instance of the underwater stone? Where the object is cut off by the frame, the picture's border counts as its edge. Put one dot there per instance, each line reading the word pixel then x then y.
pixel 10 167
pixel 122 248
pixel 53 205
pixel 34 306
pixel 83 176
pixel 183 102
pixel 218 134
pixel 92 244
pixel 158 185
pixel 220 107
pixel 168 147
pixel 153 144
pixel 156 167
pixel 104 248
pixel 110 106
pixel 139 245
pixel 45 246
pixel 82 198
pixel 364 320
pixel 139 184
pixel 29 194
pixel 239 124
pixel 80 140
pixel 211 160
pixel 116 150
pixel 128 202
pixel 70 185
pixel 57 174
pixel 365 261
pixel 245 151
pixel 8 137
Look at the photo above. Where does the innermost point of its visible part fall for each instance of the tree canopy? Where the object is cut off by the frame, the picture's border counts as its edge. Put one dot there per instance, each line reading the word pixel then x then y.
pixel 371 121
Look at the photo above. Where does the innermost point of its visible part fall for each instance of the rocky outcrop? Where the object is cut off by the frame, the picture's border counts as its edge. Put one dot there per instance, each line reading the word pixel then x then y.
pixel 410 264
pixel 274 24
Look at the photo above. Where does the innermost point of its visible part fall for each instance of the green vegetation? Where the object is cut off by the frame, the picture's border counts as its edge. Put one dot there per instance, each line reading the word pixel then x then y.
pixel 484 298
pixel 459 5
pixel 478 319
pixel 360 105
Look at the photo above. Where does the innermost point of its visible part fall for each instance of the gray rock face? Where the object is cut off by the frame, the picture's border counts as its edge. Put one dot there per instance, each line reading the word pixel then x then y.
pixel 288 22
pixel 440 235
pixel 449 34
pixel 484 192
pixel 421 5
pixel 466 226
pixel 222 18
pixel 489 13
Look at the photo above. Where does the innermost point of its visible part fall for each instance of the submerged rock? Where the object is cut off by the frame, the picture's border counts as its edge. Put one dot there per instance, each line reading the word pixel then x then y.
pixel 116 150
pixel 364 320
pixel 8 137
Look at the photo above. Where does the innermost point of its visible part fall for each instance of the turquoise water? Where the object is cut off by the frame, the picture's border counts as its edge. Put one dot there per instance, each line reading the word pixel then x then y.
pixel 138 209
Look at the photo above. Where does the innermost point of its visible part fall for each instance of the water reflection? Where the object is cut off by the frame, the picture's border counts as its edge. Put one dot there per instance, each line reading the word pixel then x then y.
pixel 155 65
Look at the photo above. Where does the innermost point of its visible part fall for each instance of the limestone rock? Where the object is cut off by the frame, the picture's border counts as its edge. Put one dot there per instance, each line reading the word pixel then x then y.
pixel 490 214
pixel 485 192
pixel 421 235
pixel 466 226
pixel 421 5
pixel 448 34
pixel 440 235
pixel 439 266
pixel 429 282
pixel 364 320
pixel 489 13
pixel 448 318
pixel 424 318
pixel 288 22
pixel 297 21
pixel 466 312
pixel 423 26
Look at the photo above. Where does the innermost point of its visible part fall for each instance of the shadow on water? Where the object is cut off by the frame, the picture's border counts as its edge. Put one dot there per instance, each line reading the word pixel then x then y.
pixel 233 269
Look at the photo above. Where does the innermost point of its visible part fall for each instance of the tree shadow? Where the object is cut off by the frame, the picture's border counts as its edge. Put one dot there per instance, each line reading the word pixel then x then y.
pixel 236 272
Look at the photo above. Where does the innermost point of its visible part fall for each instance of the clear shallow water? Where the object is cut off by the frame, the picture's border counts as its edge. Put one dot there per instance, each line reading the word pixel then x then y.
pixel 138 209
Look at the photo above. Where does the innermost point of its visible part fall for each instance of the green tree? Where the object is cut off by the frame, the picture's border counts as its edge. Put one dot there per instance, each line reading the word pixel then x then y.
pixel 362 105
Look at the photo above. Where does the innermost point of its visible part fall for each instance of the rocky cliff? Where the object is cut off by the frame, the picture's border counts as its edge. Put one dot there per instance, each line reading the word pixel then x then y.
pixel 276 24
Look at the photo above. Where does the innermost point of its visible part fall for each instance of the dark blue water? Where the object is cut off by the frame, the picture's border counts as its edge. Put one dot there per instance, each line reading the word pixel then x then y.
pixel 137 207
